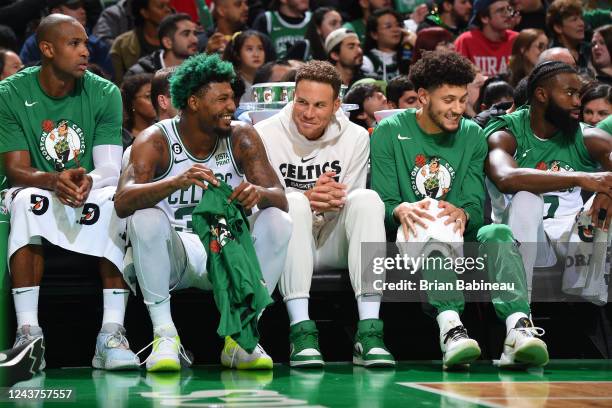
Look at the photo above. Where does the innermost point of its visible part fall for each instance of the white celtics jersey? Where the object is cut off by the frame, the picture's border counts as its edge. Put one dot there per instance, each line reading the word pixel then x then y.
pixel 180 204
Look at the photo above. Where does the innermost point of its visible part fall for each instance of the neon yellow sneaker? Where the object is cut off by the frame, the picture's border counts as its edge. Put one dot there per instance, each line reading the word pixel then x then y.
pixel 234 356
pixel 167 351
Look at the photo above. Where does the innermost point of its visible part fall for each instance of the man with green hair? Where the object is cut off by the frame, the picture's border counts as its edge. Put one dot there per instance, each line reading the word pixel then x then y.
pixel 171 165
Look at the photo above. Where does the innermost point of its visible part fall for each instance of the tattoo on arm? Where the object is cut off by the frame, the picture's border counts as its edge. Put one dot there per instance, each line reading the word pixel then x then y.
pixel 136 188
pixel 252 158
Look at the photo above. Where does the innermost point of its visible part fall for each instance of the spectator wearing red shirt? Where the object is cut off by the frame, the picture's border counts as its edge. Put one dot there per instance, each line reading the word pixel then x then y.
pixel 488 44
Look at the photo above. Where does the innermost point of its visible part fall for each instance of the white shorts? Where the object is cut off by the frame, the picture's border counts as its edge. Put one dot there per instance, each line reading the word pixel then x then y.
pixel 93 229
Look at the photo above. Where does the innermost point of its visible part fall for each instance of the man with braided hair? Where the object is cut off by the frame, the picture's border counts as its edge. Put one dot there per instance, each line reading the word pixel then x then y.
pixel 170 167
pixel 427 166
pixel 540 158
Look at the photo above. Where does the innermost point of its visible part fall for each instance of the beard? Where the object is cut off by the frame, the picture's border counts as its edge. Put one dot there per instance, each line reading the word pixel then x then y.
pixel 214 128
pixel 561 119
pixel 222 132
pixel 437 119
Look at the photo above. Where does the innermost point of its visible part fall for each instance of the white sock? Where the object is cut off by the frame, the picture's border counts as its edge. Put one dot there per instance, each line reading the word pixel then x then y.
pixel 512 319
pixel 368 307
pixel 26 305
pixel 297 310
pixel 160 315
pixel 446 317
pixel 115 301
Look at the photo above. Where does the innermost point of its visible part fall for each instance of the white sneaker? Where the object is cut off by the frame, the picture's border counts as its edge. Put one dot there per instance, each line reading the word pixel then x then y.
pixel 234 356
pixel 26 334
pixel 167 351
pixel 456 345
pixel 523 348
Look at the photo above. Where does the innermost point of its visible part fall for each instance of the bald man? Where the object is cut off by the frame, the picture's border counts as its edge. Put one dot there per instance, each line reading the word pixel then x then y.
pixel 557 54
pixel 60 136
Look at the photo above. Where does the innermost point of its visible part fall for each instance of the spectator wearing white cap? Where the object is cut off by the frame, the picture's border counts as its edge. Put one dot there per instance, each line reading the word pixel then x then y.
pixel 344 51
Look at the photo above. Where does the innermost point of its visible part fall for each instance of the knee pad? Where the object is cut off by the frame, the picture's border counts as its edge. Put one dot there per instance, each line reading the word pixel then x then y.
pixel 149 224
pixel 278 225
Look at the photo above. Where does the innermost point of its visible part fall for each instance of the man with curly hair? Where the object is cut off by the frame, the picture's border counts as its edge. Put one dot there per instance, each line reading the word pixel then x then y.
pixel 322 159
pixel 170 167
pixel 436 138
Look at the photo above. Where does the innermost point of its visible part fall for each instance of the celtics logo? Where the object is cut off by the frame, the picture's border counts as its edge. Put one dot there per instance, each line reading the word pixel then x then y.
pixel 431 177
pixel 556 166
pixel 61 142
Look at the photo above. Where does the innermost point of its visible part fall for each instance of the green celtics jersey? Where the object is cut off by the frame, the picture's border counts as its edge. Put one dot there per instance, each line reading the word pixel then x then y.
pixel 358 26
pixel 59 133
pixel 557 154
pixel 284 34
pixel 409 165
pixel 606 124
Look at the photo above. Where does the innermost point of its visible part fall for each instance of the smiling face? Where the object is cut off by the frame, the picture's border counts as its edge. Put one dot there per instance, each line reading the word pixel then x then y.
pixel 314 107
pixel 214 107
pixel 445 106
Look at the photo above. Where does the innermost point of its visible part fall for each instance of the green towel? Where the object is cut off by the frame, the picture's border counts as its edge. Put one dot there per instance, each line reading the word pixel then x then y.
pixel 239 289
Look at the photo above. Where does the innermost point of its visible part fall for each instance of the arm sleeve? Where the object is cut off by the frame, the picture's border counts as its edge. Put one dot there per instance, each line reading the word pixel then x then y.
pixel 384 176
pixel 107 165
pixel 357 171
pixel 11 133
pixel 109 117
pixel 471 198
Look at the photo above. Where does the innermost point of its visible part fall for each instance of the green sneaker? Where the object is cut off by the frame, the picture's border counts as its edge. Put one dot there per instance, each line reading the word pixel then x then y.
pixel 369 349
pixel 304 349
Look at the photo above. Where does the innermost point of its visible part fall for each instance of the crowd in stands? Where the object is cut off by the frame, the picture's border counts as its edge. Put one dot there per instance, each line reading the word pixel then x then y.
pixel 370 42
